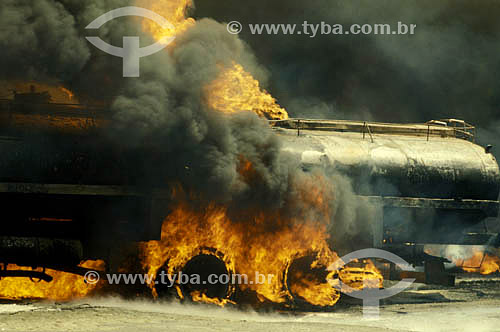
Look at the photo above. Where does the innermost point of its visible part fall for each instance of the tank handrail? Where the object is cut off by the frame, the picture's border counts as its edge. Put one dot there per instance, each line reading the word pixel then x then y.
pixel 444 127
pixel 461 127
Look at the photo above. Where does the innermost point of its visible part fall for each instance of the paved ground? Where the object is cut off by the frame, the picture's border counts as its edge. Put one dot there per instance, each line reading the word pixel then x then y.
pixel 473 305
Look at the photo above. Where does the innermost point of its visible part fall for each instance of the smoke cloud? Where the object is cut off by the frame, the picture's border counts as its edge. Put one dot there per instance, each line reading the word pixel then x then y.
pixel 39 39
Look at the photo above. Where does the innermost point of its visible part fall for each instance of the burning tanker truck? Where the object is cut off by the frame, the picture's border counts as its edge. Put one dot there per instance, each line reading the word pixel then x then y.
pixel 68 197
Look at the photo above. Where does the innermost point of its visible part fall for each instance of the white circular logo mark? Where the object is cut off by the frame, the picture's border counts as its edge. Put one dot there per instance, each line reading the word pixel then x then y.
pixel 234 27
pixel 130 52
pixel 91 277
pixel 371 296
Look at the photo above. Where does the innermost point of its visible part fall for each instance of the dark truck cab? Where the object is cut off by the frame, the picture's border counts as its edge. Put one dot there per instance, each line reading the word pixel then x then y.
pixel 65 196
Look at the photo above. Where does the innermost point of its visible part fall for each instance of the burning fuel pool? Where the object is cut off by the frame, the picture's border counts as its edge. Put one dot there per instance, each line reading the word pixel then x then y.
pixel 472 305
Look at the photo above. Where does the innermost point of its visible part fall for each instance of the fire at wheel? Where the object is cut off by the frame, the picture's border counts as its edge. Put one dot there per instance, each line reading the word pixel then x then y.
pixel 206 266
pixel 205 277
pixel 307 283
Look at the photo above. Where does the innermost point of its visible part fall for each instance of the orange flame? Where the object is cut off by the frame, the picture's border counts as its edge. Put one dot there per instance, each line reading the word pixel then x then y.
pixel 64 286
pixel 358 275
pixel 236 90
pixel 174 11
pixel 481 262
pixel 198 296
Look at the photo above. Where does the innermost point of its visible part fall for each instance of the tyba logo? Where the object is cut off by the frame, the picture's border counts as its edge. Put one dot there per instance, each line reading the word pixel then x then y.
pixel 131 52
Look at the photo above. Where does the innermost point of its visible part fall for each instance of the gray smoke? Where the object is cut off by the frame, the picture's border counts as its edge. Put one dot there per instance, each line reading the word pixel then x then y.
pixel 164 110
pixel 39 39
pixel 44 41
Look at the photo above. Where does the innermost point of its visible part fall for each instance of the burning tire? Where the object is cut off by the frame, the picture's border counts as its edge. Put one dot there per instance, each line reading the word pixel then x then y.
pixel 307 283
pixel 205 277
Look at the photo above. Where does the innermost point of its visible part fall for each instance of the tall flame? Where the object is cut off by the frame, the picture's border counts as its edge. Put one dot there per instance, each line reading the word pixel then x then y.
pixel 174 11
pixel 236 90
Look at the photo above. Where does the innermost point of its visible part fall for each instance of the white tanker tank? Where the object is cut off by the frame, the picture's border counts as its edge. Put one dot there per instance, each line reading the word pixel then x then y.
pixel 431 181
